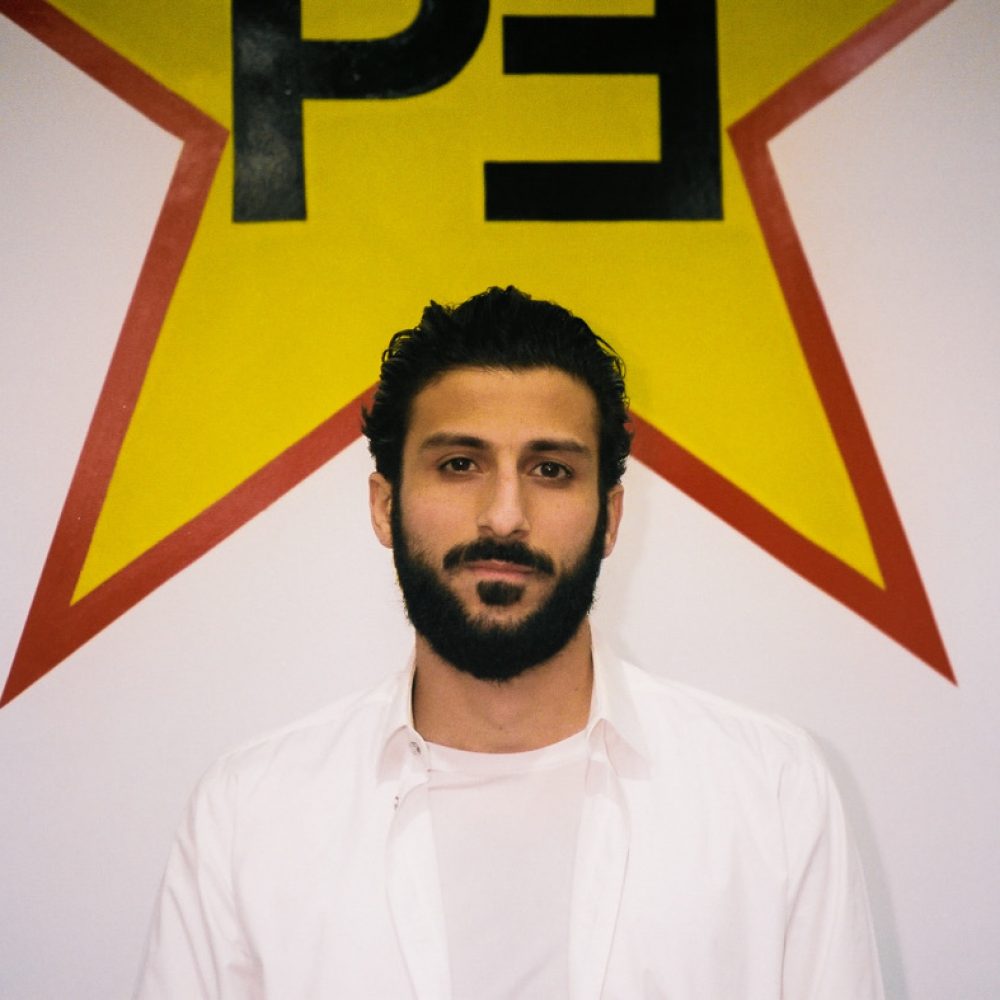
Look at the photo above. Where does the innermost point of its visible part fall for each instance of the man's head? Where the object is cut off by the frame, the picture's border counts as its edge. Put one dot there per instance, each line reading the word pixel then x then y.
pixel 502 329
pixel 499 437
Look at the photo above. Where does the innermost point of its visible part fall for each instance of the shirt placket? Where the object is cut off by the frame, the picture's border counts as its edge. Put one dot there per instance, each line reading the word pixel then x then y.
pixel 599 877
pixel 412 881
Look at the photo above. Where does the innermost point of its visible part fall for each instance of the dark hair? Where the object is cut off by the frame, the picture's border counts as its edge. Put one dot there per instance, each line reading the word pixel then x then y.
pixel 499 328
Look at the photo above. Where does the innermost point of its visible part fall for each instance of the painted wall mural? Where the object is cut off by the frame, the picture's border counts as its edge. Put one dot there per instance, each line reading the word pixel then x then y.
pixel 740 395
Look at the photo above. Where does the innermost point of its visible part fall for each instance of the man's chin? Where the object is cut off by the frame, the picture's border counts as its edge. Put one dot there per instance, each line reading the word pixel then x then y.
pixel 500 621
pixel 494 602
pixel 499 594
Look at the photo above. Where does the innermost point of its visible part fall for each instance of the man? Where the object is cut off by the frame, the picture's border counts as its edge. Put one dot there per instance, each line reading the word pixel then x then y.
pixel 519 814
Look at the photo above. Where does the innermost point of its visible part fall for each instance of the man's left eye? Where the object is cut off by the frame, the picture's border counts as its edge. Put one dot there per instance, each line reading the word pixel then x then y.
pixel 552 470
pixel 458 464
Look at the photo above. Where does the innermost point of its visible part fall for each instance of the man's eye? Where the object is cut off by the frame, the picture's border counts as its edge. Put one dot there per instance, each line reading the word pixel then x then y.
pixel 458 465
pixel 552 470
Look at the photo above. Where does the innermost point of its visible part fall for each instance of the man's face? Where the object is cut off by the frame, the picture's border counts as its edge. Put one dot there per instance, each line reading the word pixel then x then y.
pixel 498 527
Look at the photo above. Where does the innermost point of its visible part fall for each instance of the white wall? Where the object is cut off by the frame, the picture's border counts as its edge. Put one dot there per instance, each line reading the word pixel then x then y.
pixel 892 184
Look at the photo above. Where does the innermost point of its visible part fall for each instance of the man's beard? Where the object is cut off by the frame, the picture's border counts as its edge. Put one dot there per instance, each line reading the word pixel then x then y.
pixel 474 643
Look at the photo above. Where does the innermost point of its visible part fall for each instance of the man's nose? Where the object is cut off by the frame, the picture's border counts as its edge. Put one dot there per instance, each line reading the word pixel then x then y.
pixel 504 513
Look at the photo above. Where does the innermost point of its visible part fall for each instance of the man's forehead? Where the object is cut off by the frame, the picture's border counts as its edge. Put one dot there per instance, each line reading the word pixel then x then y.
pixel 533 403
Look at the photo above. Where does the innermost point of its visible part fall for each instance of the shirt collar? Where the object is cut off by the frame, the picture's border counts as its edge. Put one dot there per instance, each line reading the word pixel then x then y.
pixel 614 723
pixel 400 740
pixel 613 728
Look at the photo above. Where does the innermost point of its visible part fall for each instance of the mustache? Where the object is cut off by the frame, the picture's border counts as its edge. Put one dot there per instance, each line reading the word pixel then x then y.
pixel 510 552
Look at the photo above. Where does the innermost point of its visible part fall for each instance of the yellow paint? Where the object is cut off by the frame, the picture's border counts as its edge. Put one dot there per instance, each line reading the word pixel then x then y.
pixel 275 326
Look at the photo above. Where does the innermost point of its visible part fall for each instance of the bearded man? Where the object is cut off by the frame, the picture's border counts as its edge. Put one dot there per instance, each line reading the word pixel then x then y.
pixel 518 814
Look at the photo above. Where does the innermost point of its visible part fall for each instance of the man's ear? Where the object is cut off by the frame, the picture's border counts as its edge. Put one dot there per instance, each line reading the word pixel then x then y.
pixel 615 501
pixel 380 506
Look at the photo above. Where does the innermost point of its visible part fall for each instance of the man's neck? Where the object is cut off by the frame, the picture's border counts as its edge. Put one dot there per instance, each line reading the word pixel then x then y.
pixel 543 705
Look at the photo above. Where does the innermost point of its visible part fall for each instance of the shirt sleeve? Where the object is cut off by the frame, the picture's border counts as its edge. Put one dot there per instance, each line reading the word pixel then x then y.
pixel 830 951
pixel 196 946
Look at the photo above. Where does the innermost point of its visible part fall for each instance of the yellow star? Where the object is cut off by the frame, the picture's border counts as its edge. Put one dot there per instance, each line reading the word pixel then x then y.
pixel 276 326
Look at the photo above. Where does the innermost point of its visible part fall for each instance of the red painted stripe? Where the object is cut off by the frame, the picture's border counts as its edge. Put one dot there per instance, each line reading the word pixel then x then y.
pixel 902 610
pixel 54 627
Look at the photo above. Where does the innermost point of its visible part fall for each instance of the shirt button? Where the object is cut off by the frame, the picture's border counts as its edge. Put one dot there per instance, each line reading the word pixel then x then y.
pixel 415 748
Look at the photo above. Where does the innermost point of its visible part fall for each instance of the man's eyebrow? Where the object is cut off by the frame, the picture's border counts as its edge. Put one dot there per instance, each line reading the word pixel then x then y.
pixel 445 440
pixel 559 444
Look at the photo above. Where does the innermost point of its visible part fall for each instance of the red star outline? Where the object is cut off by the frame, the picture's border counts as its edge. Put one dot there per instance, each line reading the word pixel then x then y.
pixel 55 627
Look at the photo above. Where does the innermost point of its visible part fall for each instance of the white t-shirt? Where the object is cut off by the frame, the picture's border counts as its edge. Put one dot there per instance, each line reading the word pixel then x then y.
pixel 505 831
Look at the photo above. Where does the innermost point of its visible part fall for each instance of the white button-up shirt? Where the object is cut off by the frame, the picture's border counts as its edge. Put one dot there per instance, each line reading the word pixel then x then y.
pixel 713 861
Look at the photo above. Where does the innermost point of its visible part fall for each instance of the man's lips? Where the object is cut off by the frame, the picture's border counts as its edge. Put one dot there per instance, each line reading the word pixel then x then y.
pixel 498 569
